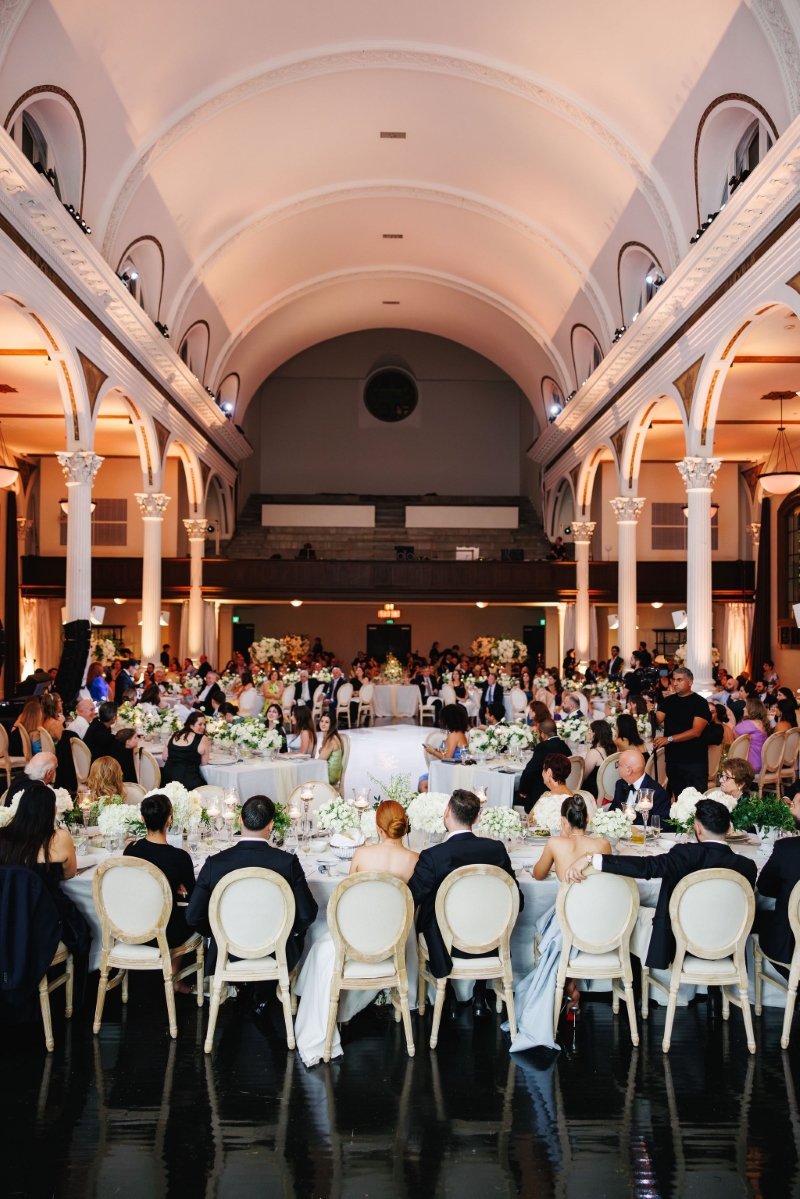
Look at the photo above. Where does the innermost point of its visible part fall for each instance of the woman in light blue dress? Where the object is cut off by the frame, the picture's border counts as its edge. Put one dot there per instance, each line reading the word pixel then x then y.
pixel 535 995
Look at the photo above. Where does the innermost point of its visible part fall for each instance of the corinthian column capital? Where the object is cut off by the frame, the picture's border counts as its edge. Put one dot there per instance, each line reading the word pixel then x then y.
pixel 79 466
pixel 582 530
pixel 196 529
pixel 24 523
pixel 627 508
pixel 698 474
pixel 152 504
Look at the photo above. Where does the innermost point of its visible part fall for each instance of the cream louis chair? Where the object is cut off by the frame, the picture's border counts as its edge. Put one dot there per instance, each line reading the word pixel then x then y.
pixel 712 914
pixel 365 701
pixel 369 916
pixel 46 989
pixel 148 771
pixel 772 753
pixel 27 748
pixel 133 793
pixel 519 701
pixel 434 740
pixel 323 793
pixel 607 777
pixel 428 709
pixel 448 694
pixel 209 793
pixel 597 917
pixel 575 776
pixel 476 910
pixel 134 902
pixel 251 915
pixel 48 745
pixel 789 768
pixel 739 747
pixel 714 756
pixel 81 758
pixel 656 767
pixel 343 697
pixel 316 703
pixel 793 967
pixel 7 761
pixel 287 700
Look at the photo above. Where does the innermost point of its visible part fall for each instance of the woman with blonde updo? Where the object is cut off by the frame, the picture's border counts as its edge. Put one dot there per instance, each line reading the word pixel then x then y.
pixel 105 778
pixel 390 856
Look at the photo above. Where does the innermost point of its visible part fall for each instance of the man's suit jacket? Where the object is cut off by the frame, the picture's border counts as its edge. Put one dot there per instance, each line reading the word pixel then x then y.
pixel 100 740
pixel 671 868
pixel 422 681
pixel 312 686
pixel 661 800
pixel 616 666
pixel 531 783
pixel 433 867
pixel 205 703
pixel 238 857
pixel 122 683
pixel 777 878
pixel 332 688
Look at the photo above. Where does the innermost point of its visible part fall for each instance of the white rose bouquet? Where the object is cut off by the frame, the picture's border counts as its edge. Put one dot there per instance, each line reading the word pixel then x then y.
pixel 194 683
pixel 500 823
pixel 267 649
pixel 398 788
pixel 509 650
pixel 120 819
pixel 291 677
pixel 547 810
pixel 392 670
pixel 337 816
pixel 612 824
pixel 6 816
pixel 186 805
pixel 483 741
pixel 63 801
pixel 681 812
pixel 426 812
pixel 518 737
pixel 484 647
pixel 368 826
pixel 730 801
pixel 574 728
pixel 103 650
pixel 323 674
pixel 295 646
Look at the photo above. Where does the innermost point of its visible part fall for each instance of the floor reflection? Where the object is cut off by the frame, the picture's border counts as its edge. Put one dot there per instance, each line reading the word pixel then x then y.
pixel 133 1114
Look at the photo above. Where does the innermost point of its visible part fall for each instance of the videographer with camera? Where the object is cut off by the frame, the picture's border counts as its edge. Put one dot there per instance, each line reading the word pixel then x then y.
pixel 684 716
pixel 639 679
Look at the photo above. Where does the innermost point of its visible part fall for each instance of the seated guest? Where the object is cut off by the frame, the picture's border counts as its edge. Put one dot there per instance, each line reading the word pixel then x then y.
pixel 305 688
pixel 626 734
pixel 96 683
pixel 185 752
pixel 30 719
pixel 570 706
pixel 41 769
pixel 99 737
pixel 189 667
pixel 273 687
pixel 253 849
pixel 174 666
pixel 787 710
pixel 454 721
pixel 537 712
pixel 105 779
pixel 150 697
pixel 756 723
pixel 737 778
pixel 53 714
pixel 175 863
pixel 225 711
pixel 632 777
pixel 720 731
pixel 248 698
pixel 84 715
pixel 205 666
pixel 602 745
pixel 558 551
pixel 304 735
pixel 331 750
pixel 711 824
pixel 495 713
pixel 427 689
pixel 555 772
pixel 531 784
pixel 462 848
pixel 274 719
pixel 776 881
pixel 127 741
pixel 210 689
pixel 332 688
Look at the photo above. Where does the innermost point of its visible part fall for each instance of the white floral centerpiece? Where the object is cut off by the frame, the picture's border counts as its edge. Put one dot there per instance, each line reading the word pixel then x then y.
pixel 368 825
pixel 267 650
pixel 322 673
pixel 392 670
pixel 682 812
pixel 250 733
pixel 730 801
pixel 612 824
pixel 507 682
pixel 295 646
pixel 484 647
pixel 290 677
pixel 338 816
pixel 509 650
pixel 398 789
pixel 483 742
pixel 119 819
pixel 163 722
pixel 226 681
pixel 426 812
pixel 514 738
pixel 574 728
pixel 63 801
pixel 103 650
pixel 186 805
pixel 546 812
pixel 500 823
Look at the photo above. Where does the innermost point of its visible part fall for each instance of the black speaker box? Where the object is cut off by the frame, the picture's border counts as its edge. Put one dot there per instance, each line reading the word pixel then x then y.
pixel 404 553
pixel 74 656
pixel 513 555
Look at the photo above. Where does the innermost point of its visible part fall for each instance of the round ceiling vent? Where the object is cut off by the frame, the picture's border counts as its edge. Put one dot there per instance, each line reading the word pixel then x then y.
pixel 390 395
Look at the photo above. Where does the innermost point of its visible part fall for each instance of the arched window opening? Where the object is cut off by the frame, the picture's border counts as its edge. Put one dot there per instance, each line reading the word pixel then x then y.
pixel 734 135
pixel 133 281
pixel 228 394
pixel 586 353
pixel 47 126
pixel 141 269
pixel 552 398
pixel 640 277
pixel 194 349
pixel 33 143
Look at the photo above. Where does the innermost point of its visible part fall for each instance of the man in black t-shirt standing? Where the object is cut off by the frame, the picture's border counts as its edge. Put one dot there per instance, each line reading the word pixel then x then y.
pixel 684 716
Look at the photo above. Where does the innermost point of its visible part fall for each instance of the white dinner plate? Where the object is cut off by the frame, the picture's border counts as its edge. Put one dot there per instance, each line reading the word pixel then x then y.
pixel 221 760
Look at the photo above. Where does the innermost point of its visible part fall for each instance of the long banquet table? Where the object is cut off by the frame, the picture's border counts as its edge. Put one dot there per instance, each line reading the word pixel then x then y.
pixel 259 776
pixel 395 699
pixel 446 776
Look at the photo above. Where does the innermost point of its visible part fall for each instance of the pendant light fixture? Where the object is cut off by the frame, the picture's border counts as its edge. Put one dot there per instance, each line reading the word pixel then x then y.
pixel 8 467
pixel 780 474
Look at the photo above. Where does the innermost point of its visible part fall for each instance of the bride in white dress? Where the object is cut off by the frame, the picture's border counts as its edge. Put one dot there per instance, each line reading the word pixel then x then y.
pixel 314 984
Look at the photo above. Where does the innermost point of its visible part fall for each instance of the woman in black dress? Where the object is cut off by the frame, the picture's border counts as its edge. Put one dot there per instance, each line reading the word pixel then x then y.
pixel 274 719
pixel 174 863
pixel 185 752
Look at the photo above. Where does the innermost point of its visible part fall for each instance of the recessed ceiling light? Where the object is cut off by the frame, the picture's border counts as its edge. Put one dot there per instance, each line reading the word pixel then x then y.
pixel 117 600
pixel 392 134
pixel 480 604
pixel 297 603
pixel 394 236
pixel 390 301
pixel 656 605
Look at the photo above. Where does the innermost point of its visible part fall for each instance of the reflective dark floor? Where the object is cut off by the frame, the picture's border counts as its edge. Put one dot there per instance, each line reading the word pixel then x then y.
pixel 132 1114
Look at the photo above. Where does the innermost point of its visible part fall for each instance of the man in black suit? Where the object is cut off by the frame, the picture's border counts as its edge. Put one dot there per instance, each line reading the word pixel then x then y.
pixel 305 688
pixel 492 691
pixel 461 848
pixel 531 783
pixel 252 849
pixel 711 823
pixel 616 664
pixel 428 690
pixel 210 690
pixel 164 659
pixel 121 679
pixel 632 777
pixel 99 737
pixel 777 879
pixel 337 680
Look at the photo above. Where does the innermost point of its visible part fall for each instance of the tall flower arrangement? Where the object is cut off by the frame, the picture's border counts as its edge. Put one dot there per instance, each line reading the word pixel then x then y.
pixel 103 650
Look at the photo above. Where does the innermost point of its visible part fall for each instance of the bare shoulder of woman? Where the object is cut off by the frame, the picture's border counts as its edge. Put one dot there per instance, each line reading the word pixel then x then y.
pixel 61 845
pixel 600 845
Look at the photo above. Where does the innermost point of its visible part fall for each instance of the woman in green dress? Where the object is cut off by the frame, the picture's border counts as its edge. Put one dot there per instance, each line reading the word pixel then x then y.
pixel 331 750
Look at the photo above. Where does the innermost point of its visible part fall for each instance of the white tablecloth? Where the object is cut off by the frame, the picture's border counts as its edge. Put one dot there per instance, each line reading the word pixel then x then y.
pixel 446 777
pixel 256 776
pixel 400 699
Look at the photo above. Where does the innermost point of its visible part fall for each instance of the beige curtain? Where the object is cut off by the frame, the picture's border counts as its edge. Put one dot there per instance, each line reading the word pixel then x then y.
pixel 734 630
pixel 210 631
pixel 41 644
pixel 183 637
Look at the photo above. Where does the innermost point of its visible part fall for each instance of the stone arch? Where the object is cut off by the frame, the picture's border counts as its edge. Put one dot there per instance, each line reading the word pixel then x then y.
pixel 217 495
pixel 584 488
pixel 143 428
pixel 562 491
pixel 193 473
pixel 636 435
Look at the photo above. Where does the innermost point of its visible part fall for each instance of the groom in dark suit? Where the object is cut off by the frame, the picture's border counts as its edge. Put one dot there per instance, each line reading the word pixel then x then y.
pixel 777 881
pixel 632 778
pixel 460 848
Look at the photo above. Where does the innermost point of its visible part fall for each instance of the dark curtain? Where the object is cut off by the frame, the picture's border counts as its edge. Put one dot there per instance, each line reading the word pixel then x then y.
pixel 12 598
pixel 761 641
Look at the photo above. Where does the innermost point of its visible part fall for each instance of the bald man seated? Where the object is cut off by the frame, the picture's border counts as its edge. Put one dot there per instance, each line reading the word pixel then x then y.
pixel 41 769
pixel 632 777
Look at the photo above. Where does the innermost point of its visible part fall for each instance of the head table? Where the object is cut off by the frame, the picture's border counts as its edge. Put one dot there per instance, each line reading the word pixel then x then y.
pixel 395 699
pixel 539 898
pixel 276 777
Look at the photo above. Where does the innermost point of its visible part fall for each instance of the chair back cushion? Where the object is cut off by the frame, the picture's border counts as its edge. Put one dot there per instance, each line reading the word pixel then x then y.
pixel 772 752
pixel 740 746
pixel 149 774
pixel 251 912
pixel 209 793
pixel 287 699
pixel 608 777
pixel 366 692
pixel 448 694
pixel 81 757
pixel 46 741
pixel 133 899
pixel 133 793
pixel 792 747
pixel 711 912
pixel 597 911
pixel 344 695
pixel 575 777
pixel 519 700
pixel 371 917
pixel 478 908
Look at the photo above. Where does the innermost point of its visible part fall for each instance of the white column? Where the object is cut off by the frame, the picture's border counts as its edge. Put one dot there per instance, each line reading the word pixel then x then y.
pixel 698 475
pixel 153 505
pixel 627 509
pixel 80 468
pixel 197 544
pixel 582 534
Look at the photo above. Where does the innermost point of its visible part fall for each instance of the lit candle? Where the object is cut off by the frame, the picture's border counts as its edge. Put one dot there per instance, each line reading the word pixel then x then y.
pixel 213 813
pixel 294 812
pixel 481 794
pixel 307 794
pixel 361 803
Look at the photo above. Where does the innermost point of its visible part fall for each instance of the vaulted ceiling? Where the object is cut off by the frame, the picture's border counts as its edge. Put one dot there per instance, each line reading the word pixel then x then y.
pixel 540 138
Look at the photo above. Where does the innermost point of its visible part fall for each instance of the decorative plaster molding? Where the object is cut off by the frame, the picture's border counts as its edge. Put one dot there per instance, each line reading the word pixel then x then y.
pixel 11 13
pixel 777 29
pixel 153 504
pixel 196 529
pixel 24 523
pixel 698 474
pixel 627 508
pixel 408 57
pixel 79 466
pixel 391 189
pixel 582 530
pixel 754 530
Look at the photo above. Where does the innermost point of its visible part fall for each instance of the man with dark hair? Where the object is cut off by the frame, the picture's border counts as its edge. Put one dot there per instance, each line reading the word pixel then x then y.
pixel 778 877
pixel 99 737
pixel 496 712
pixel 531 783
pixel 684 715
pixel 616 663
pixel 253 849
pixel 712 852
pixel 211 690
pixel 165 656
pixel 460 848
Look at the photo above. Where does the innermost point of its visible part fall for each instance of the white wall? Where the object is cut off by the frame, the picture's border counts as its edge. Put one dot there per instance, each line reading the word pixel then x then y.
pixel 311 432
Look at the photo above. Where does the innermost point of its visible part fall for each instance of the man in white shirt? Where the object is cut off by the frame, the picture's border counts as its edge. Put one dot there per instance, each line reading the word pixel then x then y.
pixel 84 715
pixel 304 694
pixel 492 692
pixel 632 777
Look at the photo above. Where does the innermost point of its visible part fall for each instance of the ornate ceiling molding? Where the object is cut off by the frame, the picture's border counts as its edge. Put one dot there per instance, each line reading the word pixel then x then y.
pixel 416 274
pixel 778 30
pixel 11 13
pixel 408 58
pixel 390 189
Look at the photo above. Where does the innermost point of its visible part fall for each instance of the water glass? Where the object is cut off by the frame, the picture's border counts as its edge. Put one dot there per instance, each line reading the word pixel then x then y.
pixel 637 834
pixel 655 827
pixel 193 838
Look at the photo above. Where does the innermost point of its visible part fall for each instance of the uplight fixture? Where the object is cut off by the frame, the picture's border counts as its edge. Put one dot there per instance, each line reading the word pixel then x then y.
pixel 119 601
pixel 657 604
pixel 297 603
pixel 481 604
pixel 64 504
